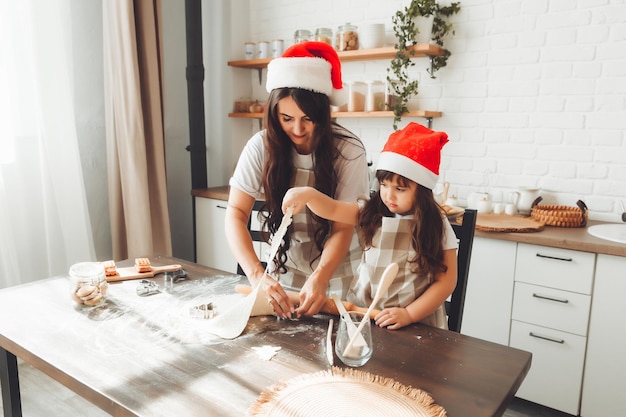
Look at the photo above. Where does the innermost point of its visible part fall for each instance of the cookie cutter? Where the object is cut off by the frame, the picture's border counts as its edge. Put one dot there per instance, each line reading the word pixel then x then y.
pixel 175 276
pixel 202 311
pixel 147 287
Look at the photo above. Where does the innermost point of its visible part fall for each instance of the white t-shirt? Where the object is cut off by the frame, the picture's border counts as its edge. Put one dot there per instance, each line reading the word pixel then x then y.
pixel 351 167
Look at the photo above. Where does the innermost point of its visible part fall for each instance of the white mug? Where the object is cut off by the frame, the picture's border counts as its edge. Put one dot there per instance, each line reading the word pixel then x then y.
pixel 510 209
pixel 498 208
pixel 484 206
pixel 474 198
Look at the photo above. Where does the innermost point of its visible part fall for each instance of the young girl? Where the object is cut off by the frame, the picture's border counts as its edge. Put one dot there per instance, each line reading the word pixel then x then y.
pixel 401 223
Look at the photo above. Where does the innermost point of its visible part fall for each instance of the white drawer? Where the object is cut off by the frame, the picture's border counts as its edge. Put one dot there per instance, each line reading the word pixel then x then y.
pixel 553 267
pixel 555 375
pixel 549 307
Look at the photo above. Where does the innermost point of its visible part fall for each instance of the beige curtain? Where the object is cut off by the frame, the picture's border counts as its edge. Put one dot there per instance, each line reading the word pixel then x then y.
pixel 133 81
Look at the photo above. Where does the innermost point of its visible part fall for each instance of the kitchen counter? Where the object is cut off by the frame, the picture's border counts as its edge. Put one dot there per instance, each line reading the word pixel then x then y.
pixel 218 193
pixel 575 238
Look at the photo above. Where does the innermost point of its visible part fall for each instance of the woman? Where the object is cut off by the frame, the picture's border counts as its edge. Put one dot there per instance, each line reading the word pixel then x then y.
pixel 401 223
pixel 300 146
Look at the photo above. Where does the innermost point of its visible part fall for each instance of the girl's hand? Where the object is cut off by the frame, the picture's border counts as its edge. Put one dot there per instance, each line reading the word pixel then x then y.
pixel 393 318
pixel 296 197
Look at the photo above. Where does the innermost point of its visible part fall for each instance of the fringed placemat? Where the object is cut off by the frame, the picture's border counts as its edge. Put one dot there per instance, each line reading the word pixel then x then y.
pixel 344 392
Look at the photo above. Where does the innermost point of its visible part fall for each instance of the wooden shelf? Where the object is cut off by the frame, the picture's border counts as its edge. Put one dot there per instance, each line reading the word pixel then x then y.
pixel 387 114
pixel 358 114
pixel 386 52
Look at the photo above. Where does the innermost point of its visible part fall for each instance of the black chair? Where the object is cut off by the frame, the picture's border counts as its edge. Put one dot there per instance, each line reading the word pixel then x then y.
pixel 465 235
pixel 255 234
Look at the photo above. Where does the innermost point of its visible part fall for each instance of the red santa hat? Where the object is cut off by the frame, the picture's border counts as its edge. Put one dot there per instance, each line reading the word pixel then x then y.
pixel 313 66
pixel 415 153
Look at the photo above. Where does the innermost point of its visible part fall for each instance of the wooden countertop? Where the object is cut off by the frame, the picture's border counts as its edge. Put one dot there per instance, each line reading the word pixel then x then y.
pixel 575 238
pixel 218 193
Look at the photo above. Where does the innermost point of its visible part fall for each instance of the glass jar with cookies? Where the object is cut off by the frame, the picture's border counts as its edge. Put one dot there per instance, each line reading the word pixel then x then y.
pixel 347 38
pixel 88 285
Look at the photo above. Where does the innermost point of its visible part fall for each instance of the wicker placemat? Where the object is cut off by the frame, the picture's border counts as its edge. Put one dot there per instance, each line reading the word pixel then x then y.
pixel 344 392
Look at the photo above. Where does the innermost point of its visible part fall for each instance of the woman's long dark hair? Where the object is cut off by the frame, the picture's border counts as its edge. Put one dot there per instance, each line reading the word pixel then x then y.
pixel 426 228
pixel 278 171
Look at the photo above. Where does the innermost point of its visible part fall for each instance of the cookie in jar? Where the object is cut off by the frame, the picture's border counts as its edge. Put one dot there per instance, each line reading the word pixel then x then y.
pixel 347 38
pixel 88 285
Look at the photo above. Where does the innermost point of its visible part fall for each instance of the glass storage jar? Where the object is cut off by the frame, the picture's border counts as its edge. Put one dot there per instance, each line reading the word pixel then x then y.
pixel 302 35
pixel 356 95
pixel 375 98
pixel 347 38
pixel 88 285
pixel 324 35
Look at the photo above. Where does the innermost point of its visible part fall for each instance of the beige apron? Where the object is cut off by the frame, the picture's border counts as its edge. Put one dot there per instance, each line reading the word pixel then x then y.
pixel 303 250
pixel 392 243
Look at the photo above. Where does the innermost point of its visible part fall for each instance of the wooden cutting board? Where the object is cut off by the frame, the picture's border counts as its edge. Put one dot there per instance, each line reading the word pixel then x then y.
pixel 491 222
pixel 130 272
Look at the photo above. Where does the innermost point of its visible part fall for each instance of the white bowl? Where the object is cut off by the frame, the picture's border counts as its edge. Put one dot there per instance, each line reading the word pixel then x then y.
pixel 372 35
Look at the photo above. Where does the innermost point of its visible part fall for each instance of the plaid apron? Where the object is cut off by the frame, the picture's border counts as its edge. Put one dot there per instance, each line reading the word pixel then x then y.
pixel 303 250
pixel 392 243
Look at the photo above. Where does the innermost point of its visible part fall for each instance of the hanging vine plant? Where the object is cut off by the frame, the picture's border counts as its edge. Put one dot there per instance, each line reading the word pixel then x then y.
pixel 400 85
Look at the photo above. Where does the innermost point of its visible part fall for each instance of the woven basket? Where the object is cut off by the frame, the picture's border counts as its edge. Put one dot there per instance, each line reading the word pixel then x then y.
pixel 561 216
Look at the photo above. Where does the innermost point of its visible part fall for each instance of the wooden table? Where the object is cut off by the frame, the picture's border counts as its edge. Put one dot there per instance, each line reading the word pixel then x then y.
pixel 144 356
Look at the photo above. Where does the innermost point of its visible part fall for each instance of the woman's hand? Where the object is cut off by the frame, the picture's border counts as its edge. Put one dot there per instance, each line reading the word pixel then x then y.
pixel 312 296
pixel 393 318
pixel 278 298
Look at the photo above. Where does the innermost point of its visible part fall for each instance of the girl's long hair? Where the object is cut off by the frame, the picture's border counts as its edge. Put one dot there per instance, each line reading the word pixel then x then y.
pixel 426 226
pixel 278 171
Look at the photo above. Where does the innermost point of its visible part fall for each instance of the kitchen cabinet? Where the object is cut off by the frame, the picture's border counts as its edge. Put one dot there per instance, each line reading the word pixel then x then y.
pixel 539 299
pixel 420 50
pixel 487 312
pixel 604 381
pixel 211 246
pixel 550 317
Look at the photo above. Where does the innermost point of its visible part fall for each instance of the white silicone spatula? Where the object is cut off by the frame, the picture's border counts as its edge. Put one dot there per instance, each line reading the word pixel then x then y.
pixel 385 281
pixel 343 313
pixel 278 237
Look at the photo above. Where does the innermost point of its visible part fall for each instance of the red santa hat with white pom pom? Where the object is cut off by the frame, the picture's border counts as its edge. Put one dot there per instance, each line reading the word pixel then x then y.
pixel 312 66
pixel 415 153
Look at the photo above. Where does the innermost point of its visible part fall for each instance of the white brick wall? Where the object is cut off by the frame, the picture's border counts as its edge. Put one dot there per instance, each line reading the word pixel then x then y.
pixel 534 93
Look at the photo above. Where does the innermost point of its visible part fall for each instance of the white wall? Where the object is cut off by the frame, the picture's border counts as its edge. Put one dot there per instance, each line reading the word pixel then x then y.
pixel 533 95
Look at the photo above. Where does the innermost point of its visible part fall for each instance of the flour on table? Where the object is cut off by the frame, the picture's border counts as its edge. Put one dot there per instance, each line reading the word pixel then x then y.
pixel 266 352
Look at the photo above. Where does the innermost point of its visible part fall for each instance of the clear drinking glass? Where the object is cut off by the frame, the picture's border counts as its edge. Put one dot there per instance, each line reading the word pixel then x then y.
pixel 361 350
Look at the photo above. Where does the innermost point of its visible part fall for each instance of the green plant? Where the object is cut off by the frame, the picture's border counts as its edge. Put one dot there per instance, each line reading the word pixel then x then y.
pixel 441 28
pixel 399 83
